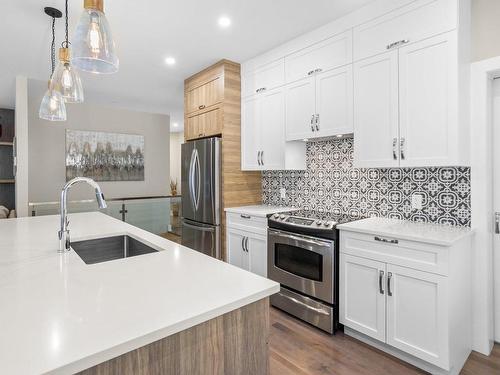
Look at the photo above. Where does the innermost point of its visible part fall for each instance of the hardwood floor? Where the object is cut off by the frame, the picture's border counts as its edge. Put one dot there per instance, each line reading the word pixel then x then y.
pixel 297 348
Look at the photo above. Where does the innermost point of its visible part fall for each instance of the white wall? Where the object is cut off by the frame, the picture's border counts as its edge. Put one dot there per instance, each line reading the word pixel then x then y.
pixel 176 139
pixel 485 29
pixel 46 143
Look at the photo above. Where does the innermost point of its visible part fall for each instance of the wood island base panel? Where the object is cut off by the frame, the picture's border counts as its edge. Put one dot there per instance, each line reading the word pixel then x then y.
pixel 236 343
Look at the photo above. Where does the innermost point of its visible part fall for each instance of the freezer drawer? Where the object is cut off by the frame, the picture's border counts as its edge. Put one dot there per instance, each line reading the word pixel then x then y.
pixel 201 237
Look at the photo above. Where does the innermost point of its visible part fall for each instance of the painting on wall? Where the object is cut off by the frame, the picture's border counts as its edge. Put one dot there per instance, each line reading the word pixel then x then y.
pixel 104 156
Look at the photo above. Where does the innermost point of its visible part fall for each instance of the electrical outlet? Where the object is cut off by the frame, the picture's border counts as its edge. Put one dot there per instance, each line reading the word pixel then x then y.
pixel 283 193
pixel 416 201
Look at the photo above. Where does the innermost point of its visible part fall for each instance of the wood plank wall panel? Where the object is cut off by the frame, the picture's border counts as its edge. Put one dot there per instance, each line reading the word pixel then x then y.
pixel 236 343
pixel 238 188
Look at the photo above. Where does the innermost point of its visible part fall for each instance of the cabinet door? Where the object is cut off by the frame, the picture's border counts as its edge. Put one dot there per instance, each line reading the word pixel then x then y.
pixel 362 295
pixel 328 54
pixel 204 95
pixel 428 94
pixel 300 104
pixel 193 128
pixel 417 314
pixel 236 255
pixel 204 124
pixel 257 252
pixel 251 133
pixel 376 111
pixel 264 78
pixel 334 102
pixel 273 130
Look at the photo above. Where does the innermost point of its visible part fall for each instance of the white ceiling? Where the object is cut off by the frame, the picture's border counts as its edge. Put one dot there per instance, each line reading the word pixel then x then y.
pixel 147 31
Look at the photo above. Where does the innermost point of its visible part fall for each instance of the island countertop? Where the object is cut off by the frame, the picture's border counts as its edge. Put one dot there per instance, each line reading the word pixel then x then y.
pixel 60 315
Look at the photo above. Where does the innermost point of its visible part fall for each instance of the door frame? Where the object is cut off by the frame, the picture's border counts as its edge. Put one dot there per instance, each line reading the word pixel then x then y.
pixel 481 161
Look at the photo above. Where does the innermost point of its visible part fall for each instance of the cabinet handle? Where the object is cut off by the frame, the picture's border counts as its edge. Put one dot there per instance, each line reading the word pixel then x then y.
pixel 312 122
pixel 246 244
pixel 316 121
pixel 394 152
pixel 319 70
pixel 262 157
pixel 402 146
pixel 389 277
pixel 380 283
pixel 201 106
pixel 243 243
pixel 260 89
pixel 245 216
pixel 310 73
pixel 200 135
pixel 497 222
pixel 380 239
pixel 259 158
pixel 398 43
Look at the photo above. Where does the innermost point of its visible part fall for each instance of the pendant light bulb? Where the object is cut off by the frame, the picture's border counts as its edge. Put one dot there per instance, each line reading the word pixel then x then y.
pixel 92 45
pixel 53 107
pixel 67 80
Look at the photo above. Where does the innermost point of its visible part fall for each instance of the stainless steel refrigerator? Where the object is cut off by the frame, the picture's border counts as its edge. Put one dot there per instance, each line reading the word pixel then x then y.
pixel 201 195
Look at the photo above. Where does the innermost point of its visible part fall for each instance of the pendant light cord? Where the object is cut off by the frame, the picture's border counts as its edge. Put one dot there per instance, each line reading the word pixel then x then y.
pixel 53 47
pixel 66 43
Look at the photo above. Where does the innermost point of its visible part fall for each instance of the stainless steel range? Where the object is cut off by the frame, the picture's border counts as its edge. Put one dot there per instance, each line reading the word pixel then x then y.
pixel 303 257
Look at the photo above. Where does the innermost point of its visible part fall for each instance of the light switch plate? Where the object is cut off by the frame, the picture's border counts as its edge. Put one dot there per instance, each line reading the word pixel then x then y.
pixel 283 193
pixel 416 201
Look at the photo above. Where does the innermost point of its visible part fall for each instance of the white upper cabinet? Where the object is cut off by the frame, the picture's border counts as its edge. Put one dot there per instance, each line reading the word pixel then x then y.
pixel 428 100
pixel 334 102
pixel 328 54
pixel 265 78
pixel 300 109
pixel 250 133
pixel 376 139
pixel 416 21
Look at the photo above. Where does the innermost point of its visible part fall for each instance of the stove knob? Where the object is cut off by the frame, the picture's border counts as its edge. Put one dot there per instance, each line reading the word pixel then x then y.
pixel 276 216
pixel 319 222
pixel 327 223
pixel 282 217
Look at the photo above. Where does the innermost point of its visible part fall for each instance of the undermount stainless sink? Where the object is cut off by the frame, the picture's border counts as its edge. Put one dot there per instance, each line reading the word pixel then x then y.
pixel 110 248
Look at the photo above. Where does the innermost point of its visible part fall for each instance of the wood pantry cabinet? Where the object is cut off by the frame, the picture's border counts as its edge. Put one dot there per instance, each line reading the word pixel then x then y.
pixel 212 100
pixel 405 295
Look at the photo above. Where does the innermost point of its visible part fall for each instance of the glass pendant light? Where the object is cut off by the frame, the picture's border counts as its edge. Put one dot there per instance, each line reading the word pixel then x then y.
pixel 53 107
pixel 93 46
pixel 65 77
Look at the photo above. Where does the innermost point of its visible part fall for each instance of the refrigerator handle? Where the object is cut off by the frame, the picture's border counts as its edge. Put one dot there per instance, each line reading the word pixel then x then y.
pixel 198 179
pixel 191 180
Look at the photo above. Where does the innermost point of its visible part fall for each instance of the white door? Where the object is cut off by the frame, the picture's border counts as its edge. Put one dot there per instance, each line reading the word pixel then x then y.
pixel 300 106
pixel 496 204
pixel 362 295
pixel 250 134
pixel 236 242
pixel 273 130
pixel 376 111
pixel 428 95
pixel 417 314
pixel 334 102
pixel 257 254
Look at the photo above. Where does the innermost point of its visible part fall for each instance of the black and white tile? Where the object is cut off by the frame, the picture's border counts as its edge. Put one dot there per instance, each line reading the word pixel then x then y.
pixel 331 183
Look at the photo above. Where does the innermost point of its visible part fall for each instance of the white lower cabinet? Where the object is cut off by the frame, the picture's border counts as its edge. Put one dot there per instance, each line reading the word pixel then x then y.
pixel 247 246
pixel 411 297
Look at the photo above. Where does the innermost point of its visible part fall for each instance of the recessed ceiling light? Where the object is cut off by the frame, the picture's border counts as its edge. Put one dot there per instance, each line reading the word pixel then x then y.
pixel 175 125
pixel 170 61
pixel 224 21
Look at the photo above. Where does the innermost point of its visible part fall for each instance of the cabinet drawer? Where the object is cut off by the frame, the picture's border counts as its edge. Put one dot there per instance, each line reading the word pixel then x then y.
pixel 247 222
pixel 265 78
pixel 416 21
pixel 416 255
pixel 204 96
pixel 328 54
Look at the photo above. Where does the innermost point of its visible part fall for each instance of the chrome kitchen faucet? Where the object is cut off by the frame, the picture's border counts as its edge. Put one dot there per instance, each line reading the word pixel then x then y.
pixel 64 239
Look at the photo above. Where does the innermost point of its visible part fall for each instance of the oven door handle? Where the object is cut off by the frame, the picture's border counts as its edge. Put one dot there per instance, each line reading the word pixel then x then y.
pixel 295 300
pixel 303 239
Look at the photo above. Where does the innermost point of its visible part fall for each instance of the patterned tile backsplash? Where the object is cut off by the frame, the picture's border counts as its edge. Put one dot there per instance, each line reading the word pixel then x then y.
pixel 332 184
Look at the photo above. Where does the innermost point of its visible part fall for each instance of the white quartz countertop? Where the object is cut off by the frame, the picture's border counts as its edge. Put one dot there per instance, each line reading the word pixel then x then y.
pixel 60 315
pixel 259 210
pixel 437 234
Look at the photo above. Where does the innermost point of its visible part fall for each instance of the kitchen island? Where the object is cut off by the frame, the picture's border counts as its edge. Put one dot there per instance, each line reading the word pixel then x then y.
pixel 174 311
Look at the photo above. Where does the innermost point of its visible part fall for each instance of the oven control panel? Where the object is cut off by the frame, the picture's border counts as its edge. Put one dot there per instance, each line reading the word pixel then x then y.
pixel 303 222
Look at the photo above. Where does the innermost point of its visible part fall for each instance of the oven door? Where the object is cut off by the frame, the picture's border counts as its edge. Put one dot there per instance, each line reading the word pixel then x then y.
pixel 302 263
